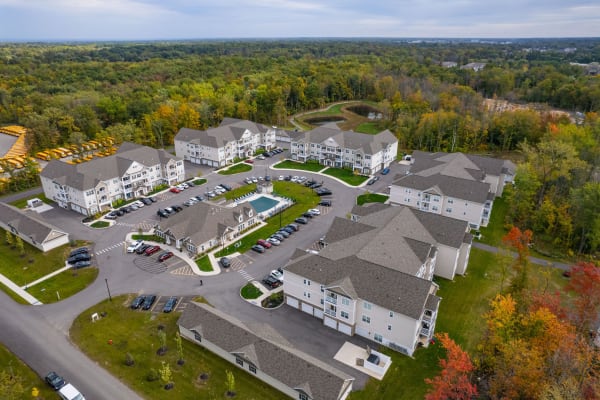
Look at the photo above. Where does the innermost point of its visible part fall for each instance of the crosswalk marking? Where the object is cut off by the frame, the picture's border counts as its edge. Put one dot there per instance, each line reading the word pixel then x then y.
pixel 246 275
pixel 110 248
pixel 145 226
pixel 186 270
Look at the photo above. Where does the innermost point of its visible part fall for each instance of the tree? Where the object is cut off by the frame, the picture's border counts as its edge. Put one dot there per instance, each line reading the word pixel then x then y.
pixel 585 283
pixel 520 241
pixel 454 381
pixel 230 383
pixel 162 337
pixel 20 245
pixel 9 238
pixel 166 375
pixel 179 348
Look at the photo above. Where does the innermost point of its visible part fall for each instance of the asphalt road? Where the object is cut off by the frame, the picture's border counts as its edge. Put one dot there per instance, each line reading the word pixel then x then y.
pixel 39 334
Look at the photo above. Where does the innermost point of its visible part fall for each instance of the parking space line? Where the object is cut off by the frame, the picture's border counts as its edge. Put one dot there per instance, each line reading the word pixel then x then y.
pixel 246 275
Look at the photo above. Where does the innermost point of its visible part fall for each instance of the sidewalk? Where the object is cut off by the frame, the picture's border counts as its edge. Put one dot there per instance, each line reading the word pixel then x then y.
pixel 266 292
pixel 20 291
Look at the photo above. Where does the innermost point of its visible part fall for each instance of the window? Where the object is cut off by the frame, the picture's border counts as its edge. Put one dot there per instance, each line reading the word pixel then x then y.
pixel 367 305
pixel 197 336
pixel 307 294
pixel 322 288
pixel 239 361
pixel 303 396
pixel 322 301
pixel 434 208
pixel 345 301
pixel 448 210
pixel 378 338
pixel 450 201
pixel 344 314
pixel 391 314
pixel 389 327
pixel 252 368
pixel 366 319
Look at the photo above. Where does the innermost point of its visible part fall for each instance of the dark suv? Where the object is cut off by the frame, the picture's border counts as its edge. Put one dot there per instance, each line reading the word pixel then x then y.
pixel 148 301
pixel 79 257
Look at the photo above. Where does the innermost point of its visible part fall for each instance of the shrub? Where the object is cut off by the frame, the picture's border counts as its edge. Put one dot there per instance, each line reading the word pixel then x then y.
pixel 129 361
pixel 152 375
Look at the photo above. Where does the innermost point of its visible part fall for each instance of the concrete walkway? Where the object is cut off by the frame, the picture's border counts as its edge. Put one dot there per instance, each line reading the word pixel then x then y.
pixel 43 278
pixel 19 291
pixel 320 172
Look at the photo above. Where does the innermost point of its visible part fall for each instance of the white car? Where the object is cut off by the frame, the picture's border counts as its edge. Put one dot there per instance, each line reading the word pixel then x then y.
pixel 277 274
pixel 274 241
pixel 314 211
pixel 185 185
pixel 138 203
pixel 295 178
pixel 254 180
pixel 261 157
pixel 281 177
pixel 134 246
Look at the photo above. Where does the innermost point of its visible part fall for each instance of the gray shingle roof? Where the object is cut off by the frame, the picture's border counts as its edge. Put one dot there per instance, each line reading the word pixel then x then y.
pixel 202 221
pixel 390 289
pixel 459 165
pixel 230 129
pixel 28 225
pixel 449 186
pixel 87 175
pixel 276 359
pixel 369 144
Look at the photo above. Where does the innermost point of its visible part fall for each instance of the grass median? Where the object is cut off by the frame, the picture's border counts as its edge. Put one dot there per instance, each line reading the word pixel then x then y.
pixel 309 166
pixel 236 169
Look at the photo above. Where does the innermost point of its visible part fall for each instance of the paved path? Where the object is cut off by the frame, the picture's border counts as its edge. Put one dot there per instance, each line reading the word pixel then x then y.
pixel 19 291
pixel 534 260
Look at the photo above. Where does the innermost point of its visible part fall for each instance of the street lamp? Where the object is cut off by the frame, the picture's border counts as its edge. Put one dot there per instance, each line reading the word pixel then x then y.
pixel 108 289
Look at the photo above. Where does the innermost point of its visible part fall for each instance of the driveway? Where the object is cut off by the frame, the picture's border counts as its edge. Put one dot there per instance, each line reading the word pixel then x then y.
pixel 127 273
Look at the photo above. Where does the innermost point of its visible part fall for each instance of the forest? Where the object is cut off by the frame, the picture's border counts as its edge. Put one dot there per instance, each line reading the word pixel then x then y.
pixel 67 93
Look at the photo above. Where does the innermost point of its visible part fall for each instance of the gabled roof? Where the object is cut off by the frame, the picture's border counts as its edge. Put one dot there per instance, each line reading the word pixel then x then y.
pixel 459 165
pixel 368 144
pixel 202 221
pixel 87 175
pixel 459 188
pixel 28 225
pixel 388 288
pixel 230 129
pixel 276 359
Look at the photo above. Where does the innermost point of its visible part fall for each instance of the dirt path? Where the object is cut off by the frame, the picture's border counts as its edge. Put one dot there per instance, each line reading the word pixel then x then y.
pixel 292 118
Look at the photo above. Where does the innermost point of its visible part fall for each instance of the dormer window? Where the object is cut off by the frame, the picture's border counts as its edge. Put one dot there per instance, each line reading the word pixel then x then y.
pixel 241 219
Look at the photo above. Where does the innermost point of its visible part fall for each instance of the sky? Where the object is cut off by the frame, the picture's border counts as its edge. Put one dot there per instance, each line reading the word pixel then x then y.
pixel 57 20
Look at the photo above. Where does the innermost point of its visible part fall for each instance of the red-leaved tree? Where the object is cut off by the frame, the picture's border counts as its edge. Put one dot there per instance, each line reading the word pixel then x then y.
pixel 585 282
pixel 454 380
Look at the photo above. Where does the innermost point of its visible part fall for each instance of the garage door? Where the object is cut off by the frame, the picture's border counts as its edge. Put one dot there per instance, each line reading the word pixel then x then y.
pixel 347 329
pixel 318 313
pixel 330 322
pixel 292 302
pixel 362 332
pixel 307 308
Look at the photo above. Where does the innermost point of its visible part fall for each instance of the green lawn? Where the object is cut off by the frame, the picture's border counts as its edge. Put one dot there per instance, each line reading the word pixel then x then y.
pixel 100 224
pixel 66 284
pixel 199 182
pixel 371 128
pixel 204 264
pixel 492 234
pixel 33 265
pixel 240 191
pixel 250 291
pixel 305 199
pixel 22 203
pixel 25 377
pixel 139 338
pixel 289 164
pixel 371 198
pixel 236 169
pixel 346 175
pixel 150 238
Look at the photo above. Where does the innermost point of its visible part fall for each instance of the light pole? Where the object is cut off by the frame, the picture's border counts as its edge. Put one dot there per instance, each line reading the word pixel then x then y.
pixel 108 289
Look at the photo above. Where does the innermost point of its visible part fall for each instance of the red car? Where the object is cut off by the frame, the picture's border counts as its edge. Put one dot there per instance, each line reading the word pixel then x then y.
pixel 249 161
pixel 165 256
pixel 151 250
pixel 174 190
pixel 264 243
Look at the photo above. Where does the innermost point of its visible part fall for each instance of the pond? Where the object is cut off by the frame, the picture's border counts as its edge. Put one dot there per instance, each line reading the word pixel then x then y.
pixel 324 120
pixel 366 111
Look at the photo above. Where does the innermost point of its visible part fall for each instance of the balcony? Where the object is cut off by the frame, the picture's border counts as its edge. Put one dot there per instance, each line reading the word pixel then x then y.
pixel 331 313
pixel 331 300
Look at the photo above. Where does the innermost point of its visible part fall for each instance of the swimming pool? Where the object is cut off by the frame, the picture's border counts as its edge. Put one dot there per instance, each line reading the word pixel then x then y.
pixel 263 203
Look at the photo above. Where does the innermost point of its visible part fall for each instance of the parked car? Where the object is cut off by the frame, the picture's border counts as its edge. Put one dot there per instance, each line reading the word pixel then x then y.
pixel 133 207
pixel 260 157
pixel 287 229
pixel 152 199
pixel 307 215
pixel 162 214
pixel 111 215
pixel 79 257
pixel 138 203
pixel 314 211
pixel 125 209
pixel 274 241
pixel 148 301
pixel 165 256
pixel 79 251
pixel 385 171
pixel 146 201
pixel 170 304
pixel 225 262
pixel 177 208
pixel 281 235
pixel 151 250
pixel 199 198
pixel 264 243
pixel 175 190
pixel 54 380
pixel 258 248
pixel 137 302
pixel 226 187
pixel 69 392
pixel 271 282
pixel 143 248
pixel 120 212
pixel 301 220
pixel 372 180
pixel 281 177
pixel 323 191
pixel 81 264
pixel 295 227
pixel 249 161
pixel 288 178
pixel 277 274
pixel 325 203
pixel 134 246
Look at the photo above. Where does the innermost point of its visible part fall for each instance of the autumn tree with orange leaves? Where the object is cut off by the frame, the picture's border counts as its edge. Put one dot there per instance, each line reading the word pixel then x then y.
pixel 585 283
pixel 454 380
pixel 519 241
